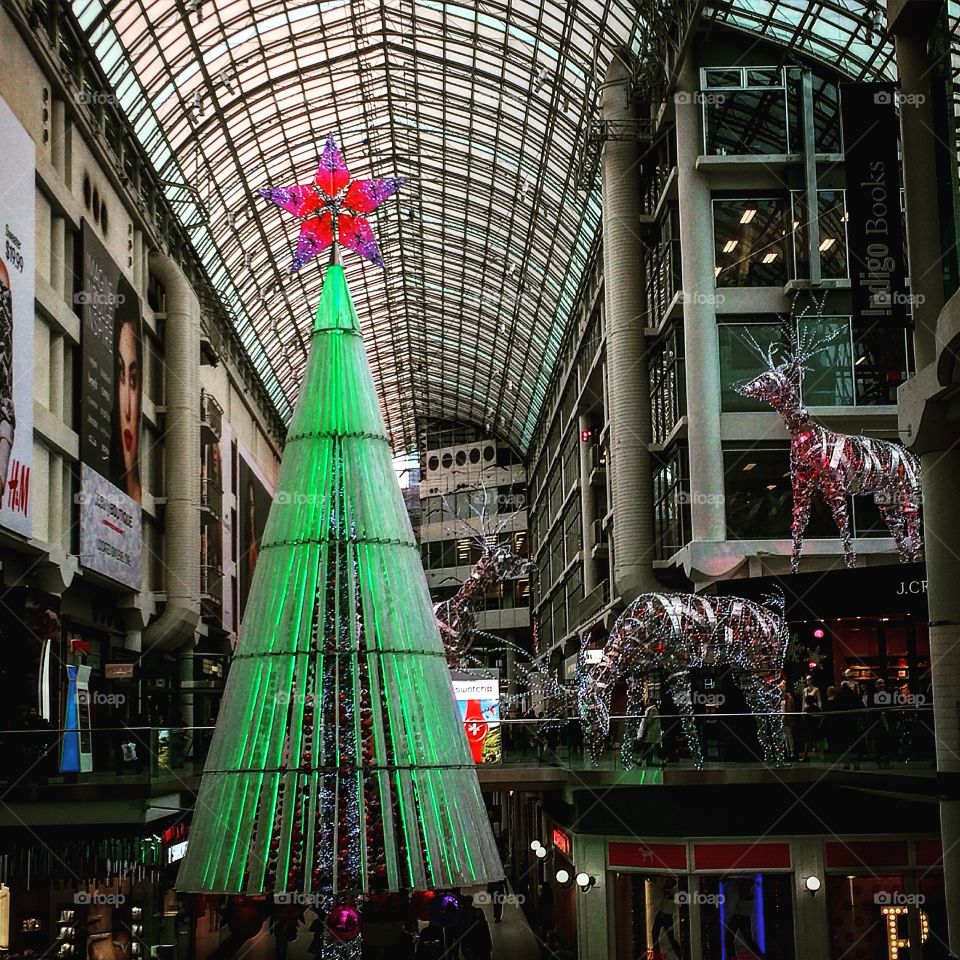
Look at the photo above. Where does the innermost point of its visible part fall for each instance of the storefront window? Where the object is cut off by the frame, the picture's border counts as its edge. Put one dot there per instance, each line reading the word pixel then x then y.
pixel 744 111
pixel 750 242
pixel 652 917
pixel 746 916
pixel 871 918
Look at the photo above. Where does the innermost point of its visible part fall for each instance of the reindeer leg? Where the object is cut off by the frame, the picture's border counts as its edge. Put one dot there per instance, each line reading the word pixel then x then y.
pixel 682 693
pixel 763 698
pixel 837 502
pixel 802 503
pixel 896 524
pixel 632 725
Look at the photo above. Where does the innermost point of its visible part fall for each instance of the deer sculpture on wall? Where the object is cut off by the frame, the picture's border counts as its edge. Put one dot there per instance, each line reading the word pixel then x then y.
pixel 665 636
pixel 836 465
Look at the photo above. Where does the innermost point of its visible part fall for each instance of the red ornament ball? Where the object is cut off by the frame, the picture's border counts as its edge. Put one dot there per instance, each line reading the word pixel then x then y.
pixel 421 901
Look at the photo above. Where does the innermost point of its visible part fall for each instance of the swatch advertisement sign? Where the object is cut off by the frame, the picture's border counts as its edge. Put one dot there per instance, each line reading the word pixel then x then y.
pixel 17 266
pixel 110 403
pixel 478 699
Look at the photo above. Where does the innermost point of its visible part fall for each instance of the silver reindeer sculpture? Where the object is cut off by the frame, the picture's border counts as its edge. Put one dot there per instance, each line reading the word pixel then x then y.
pixel 835 465
pixel 666 635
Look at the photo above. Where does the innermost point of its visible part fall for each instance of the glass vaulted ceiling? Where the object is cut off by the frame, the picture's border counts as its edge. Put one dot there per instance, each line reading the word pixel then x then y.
pixel 481 107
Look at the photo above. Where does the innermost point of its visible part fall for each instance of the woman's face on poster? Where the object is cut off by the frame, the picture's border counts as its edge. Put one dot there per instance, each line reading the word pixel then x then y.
pixel 128 395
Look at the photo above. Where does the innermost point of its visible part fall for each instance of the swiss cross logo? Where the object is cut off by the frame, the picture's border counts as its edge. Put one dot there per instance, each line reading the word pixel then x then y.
pixel 18 488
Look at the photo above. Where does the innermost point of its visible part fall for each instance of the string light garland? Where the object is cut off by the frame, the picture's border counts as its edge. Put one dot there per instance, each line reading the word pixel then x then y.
pixel 832 465
pixel 665 636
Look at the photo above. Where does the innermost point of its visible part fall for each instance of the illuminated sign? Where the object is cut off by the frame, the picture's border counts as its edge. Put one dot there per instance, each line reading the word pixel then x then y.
pixel 562 841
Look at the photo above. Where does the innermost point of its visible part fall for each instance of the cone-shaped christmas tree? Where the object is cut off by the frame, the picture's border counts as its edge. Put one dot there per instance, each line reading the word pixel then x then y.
pixel 339 764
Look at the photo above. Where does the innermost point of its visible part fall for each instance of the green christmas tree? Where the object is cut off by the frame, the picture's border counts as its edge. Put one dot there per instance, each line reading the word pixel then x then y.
pixel 339 765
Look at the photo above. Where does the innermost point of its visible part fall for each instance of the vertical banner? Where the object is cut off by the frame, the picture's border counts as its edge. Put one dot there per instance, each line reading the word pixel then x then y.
pixel 875 228
pixel 111 397
pixel 17 266
pixel 253 505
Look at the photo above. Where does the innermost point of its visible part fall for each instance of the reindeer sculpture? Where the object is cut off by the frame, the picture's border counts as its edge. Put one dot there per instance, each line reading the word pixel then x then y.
pixel 837 465
pixel 665 635
pixel 457 616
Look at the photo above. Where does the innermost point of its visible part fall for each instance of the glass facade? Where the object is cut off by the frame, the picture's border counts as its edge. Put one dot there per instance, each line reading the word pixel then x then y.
pixel 745 111
pixel 759 499
pixel 850 369
pixel 750 240
pixel 832 239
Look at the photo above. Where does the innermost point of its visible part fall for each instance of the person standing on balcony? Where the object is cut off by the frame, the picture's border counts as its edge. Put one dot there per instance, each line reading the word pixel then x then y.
pixel 811 709
pixel 650 733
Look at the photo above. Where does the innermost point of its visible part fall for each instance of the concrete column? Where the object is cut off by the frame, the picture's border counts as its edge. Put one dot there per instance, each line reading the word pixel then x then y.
pixel 58 135
pixel 921 187
pixel 589 856
pixel 56 374
pixel 941 521
pixel 588 505
pixel 181 549
pixel 628 381
pixel 701 343
pixel 58 256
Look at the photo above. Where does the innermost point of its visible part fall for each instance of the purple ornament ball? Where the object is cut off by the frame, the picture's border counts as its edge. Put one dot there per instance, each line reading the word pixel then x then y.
pixel 445 909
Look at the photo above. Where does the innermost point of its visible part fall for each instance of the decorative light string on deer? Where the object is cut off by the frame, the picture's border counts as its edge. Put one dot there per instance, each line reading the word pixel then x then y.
pixel 832 465
pixel 662 637
pixel 457 616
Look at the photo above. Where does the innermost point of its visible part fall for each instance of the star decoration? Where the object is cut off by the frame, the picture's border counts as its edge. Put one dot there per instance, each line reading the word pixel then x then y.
pixel 332 208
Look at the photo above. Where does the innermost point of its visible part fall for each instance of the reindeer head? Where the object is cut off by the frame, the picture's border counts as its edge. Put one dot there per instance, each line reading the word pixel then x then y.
pixel 501 562
pixel 779 385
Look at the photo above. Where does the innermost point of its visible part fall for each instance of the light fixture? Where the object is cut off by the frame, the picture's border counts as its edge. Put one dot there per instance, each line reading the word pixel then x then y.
pixel 535 845
pixel 730 246
pixel 813 885
pixel 716 272
pixel 563 877
pixel 747 467
pixel 769 257
pixel 541 852
pixel 748 215
pixel 585 881
pixel 827 243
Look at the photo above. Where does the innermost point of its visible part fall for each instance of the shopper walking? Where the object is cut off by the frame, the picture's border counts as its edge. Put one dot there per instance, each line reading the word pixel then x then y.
pixel 850 710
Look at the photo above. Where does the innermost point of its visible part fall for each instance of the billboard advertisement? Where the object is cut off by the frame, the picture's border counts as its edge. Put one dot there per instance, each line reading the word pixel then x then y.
pixel 874 229
pixel 111 395
pixel 254 497
pixel 478 699
pixel 17 266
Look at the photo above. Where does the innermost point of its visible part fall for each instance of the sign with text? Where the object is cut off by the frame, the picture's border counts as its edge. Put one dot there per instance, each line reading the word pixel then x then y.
pixel 111 536
pixel 17 267
pixel 875 228
pixel 478 699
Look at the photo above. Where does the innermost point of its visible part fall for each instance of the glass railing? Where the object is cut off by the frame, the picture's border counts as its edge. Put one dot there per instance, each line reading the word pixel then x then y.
pixel 896 738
